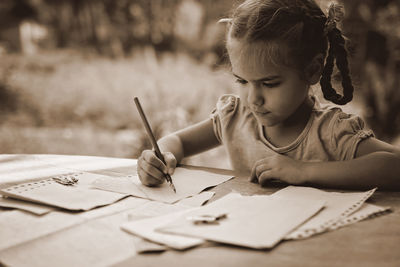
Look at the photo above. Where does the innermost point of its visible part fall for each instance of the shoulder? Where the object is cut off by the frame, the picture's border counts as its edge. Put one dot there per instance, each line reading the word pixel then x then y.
pixel 229 115
pixel 227 105
pixel 335 120
pixel 339 132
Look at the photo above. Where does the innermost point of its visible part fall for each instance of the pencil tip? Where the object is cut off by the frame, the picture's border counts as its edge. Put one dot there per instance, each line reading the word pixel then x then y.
pixel 173 187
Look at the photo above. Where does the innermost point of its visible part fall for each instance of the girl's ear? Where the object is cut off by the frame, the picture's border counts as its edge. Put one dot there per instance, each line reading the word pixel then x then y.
pixel 314 70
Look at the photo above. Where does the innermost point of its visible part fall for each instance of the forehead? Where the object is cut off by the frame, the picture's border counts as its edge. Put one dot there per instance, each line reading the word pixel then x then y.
pixel 257 59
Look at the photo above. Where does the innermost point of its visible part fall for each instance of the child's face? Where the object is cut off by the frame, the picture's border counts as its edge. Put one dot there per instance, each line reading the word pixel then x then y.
pixel 272 92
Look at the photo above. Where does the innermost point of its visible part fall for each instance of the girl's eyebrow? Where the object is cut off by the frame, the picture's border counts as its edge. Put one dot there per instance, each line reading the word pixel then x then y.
pixel 268 78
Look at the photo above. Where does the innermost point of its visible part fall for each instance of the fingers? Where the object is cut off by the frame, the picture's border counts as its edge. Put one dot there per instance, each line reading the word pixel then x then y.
pixel 151 170
pixel 170 160
pixel 150 157
pixel 147 179
pixel 265 177
pixel 261 173
pixel 257 169
pixel 253 175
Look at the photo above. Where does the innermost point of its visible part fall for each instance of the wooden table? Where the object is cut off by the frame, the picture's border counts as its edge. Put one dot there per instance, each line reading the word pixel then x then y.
pixel 373 242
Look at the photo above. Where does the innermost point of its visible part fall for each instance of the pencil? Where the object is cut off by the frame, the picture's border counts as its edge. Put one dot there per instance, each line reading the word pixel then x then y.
pixel 152 139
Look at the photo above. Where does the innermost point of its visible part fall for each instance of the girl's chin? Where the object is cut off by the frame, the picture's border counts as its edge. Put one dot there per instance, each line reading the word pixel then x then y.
pixel 268 122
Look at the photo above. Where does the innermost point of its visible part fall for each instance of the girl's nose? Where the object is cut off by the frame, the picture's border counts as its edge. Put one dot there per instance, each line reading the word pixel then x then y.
pixel 255 97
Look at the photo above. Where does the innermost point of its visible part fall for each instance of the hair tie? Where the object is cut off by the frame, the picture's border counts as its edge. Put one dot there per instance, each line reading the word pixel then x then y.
pixel 225 20
pixel 335 15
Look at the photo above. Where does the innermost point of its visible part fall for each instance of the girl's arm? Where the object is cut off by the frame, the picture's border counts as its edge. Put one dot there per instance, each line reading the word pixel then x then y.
pixel 190 141
pixel 175 147
pixel 377 164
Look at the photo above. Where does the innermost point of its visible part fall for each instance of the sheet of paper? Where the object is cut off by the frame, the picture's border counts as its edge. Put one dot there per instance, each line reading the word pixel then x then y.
pixel 19 168
pixel 24 205
pixel 366 211
pixel 187 183
pixel 197 200
pixel 17 227
pixel 144 246
pixel 338 206
pixel 98 242
pixel 145 228
pixel 124 185
pixel 79 196
pixel 91 238
pixel 124 205
pixel 252 221
pixel 30 168
pixel 157 213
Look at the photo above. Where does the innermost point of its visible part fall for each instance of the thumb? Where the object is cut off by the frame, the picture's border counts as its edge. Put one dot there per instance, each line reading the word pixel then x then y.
pixel 170 161
pixel 253 176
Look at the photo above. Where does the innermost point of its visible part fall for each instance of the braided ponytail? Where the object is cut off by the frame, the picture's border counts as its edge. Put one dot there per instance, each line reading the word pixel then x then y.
pixel 337 51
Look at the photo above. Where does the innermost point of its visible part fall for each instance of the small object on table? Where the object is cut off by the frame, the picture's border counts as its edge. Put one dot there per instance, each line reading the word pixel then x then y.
pixel 207 218
pixel 66 179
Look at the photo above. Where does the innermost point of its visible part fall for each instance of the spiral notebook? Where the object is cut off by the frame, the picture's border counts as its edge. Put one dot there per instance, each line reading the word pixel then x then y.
pixel 77 196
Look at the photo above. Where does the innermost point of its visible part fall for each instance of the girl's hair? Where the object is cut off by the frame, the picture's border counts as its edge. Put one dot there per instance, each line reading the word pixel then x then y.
pixel 304 30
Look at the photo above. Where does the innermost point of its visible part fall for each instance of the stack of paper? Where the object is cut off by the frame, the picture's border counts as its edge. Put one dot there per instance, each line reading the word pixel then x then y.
pixel 25 205
pixel 340 209
pixel 51 239
pixel 258 221
pixel 93 190
pixel 252 221
pixel 79 196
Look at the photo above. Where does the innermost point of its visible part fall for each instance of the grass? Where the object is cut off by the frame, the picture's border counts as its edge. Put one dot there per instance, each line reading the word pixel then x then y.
pixel 71 103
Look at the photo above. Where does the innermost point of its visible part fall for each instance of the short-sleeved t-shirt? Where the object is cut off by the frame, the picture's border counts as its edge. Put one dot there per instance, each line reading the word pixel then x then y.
pixel 330 135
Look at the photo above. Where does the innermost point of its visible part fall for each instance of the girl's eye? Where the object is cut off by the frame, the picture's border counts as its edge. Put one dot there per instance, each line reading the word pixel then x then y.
pixel 241 81
pixel 271 85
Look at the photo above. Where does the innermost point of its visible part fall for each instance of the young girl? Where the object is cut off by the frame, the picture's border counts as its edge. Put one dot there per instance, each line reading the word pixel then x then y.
pixel 275 129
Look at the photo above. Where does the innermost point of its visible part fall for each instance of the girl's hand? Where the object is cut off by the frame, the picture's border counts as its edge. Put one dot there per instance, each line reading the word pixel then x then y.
pixel 151 170
pixel 278 167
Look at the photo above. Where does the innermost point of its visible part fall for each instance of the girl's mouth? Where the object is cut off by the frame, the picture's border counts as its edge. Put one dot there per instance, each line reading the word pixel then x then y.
pixel 261 112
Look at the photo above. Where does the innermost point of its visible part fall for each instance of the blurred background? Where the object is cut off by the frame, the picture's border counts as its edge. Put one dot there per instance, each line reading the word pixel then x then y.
pixel 69 70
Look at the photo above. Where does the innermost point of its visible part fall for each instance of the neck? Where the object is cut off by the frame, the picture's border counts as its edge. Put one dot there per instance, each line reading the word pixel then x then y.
pixel 286 132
